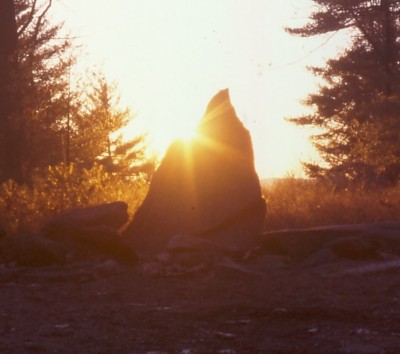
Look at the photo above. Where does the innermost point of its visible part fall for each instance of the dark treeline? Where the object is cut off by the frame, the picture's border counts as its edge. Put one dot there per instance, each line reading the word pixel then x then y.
pixel 357 107
pixel 43 120
pixel 60 142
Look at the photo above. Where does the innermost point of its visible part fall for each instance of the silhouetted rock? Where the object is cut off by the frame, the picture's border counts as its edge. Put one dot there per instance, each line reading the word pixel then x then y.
pixel 112 215
pixel 92 230
pixel 100 240
pixel 361 241
pixel 3 232
pixel 362 247
pixel 183 243
pixel 33 250
pixel 206 188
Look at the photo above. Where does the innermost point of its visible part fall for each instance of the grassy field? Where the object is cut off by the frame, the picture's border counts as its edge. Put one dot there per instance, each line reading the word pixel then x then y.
pixel 299 203
pixel 25 208
pixel 292 202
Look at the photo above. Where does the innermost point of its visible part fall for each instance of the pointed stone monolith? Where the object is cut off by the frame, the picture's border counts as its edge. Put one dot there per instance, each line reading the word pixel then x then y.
pixel 206 188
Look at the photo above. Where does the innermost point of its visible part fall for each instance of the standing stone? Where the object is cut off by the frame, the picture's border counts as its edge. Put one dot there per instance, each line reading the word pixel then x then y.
pixel 206 188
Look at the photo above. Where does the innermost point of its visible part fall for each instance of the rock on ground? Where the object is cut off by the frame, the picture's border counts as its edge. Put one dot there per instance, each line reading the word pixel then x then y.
pixel 112 215
pixel 89 231
pixel 362 241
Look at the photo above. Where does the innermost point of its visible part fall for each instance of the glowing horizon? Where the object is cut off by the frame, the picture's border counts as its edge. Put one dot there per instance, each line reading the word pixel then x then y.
pixel 170 58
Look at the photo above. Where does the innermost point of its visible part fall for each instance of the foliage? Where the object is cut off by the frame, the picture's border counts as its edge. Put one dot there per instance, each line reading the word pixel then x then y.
pixel 357 106
pixel 96 131
pixel 36 91
pixel 300 203
pixel 60 188
pixel 59 147
pixel 292 202
pixel 44 121
pixel 9 128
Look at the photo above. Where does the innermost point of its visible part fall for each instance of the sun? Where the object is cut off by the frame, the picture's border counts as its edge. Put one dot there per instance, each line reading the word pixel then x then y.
pixel 179 129
pixel 188 136
pixel 159 139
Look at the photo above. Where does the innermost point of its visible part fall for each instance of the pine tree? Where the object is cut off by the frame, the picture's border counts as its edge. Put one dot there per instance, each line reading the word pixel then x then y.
pixel 96 132
pixel 45 122
pixel 357 107
pixel 34 65
pixel 45 59
pixel 10 130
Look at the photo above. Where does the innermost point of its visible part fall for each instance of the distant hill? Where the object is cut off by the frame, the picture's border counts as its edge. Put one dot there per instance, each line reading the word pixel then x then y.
pixel 268 182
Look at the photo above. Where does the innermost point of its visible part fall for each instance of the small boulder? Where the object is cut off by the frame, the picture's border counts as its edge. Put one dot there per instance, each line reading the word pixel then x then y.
pixel 102 240
pixel 112 215
pixel 3 233
pixel 35 251
pixel 92 230
pixel 182 243
pixel 360 247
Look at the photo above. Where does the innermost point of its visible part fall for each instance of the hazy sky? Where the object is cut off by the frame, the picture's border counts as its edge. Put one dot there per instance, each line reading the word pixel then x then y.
pixel 170 57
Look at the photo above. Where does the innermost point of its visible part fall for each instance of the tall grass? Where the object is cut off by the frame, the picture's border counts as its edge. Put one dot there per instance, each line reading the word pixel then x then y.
pixel 292 202
pixel 25 208
pixel 300 203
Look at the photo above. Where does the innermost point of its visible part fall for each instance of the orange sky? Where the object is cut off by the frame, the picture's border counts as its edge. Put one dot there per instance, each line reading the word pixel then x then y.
pixel 170 57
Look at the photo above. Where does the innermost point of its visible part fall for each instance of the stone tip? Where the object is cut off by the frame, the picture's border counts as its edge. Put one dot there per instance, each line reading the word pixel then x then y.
pixel 218 106
pixel 220 98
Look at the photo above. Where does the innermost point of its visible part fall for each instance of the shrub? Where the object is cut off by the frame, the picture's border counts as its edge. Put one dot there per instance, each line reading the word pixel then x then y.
pixel 60 188
pixel 299 203
pixel 292 202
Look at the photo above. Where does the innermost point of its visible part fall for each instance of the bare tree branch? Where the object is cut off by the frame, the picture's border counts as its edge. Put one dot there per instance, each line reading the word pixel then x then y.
pixel 40 19
pixel 38 22
pixel 30 19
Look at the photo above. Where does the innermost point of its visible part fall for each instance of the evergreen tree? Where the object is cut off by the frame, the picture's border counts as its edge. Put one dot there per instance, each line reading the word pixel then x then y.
pixel 43 122
pixel 34 72
pixel 357 106
pixel 45 58
pixel 96 132
pixel 10 131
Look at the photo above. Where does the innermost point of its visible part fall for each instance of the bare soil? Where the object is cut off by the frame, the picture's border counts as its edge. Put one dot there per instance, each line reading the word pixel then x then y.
pixel 264 305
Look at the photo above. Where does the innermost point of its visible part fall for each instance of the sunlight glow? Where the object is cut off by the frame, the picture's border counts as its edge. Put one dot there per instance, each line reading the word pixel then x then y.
pixel 188 136
pixel 170 57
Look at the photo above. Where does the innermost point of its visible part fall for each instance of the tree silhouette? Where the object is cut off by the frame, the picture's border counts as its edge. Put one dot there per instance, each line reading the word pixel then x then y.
pixel 97 136
pixel 44 120
pixel 34 64
pixel 10 130
pixel 357 105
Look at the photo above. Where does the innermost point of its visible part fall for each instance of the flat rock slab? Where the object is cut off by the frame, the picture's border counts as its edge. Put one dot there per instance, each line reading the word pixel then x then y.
pixel 112 215
pixel 359 241
pixel 81 232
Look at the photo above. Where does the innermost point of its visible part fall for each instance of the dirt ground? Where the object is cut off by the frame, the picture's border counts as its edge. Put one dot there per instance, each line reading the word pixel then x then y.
pixel 266 305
